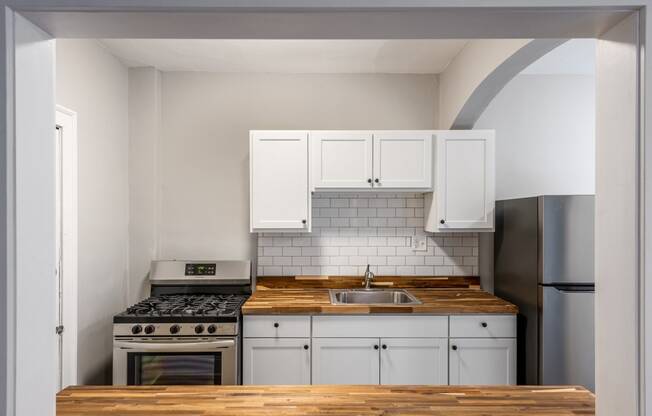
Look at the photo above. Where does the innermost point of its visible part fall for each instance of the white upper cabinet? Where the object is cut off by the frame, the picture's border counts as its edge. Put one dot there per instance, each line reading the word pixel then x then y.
pixel 403 159
pixel 279 181
pixel 464 195
pixel 372 160
pixel 342 159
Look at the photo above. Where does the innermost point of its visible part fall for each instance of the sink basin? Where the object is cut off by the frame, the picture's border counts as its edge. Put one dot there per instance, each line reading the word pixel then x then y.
pixel 372 297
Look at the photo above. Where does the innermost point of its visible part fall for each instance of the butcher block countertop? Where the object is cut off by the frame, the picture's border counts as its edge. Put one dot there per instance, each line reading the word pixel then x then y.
pixel 309 295
pixel 326 400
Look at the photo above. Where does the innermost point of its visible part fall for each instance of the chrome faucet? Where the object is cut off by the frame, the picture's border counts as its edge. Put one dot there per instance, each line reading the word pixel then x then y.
pixel 368 277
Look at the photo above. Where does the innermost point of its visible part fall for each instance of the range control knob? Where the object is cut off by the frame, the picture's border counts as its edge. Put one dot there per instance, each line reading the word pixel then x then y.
pixel 149 329
pixel 174 329
pixel 136 329
pixel 199 329
pixel 212 329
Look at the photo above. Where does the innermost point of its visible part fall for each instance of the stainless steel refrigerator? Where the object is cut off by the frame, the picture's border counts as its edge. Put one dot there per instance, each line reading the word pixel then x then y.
pixel 544 264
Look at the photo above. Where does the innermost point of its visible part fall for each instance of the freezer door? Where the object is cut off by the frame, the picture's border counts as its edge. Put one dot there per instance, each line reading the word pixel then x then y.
pixel 567 342
pixel 566 242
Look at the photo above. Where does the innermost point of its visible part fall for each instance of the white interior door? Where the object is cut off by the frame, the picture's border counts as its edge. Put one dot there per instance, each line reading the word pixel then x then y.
pixel 66 247
pixel 345 361
pixel 414 361
pixel 403 159
pixel 465 188
pixel 342 159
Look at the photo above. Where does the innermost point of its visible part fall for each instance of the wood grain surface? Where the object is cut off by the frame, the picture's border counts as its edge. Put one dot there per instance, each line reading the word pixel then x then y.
pixel 326 400
pixel 341 282
pixel 317 301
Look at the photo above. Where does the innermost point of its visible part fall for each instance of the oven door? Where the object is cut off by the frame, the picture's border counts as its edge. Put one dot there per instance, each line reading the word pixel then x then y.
pixel 193 361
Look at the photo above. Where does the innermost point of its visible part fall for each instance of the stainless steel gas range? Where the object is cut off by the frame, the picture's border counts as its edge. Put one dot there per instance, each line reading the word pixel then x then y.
pixel 188 330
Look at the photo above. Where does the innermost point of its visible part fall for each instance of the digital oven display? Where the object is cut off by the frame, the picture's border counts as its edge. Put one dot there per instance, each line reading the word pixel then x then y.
pixel 200 269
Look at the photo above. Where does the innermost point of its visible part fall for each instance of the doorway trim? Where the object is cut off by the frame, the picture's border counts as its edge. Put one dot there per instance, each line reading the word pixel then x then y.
pixel 66 120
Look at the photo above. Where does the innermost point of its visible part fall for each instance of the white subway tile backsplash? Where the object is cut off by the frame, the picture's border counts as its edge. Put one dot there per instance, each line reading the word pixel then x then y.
pixel 386 212
pixel 291 251
pixel 378 203
pixel 351 230
pixel 310 251
pixel 348 251
pixel 273 251
pixel 405 212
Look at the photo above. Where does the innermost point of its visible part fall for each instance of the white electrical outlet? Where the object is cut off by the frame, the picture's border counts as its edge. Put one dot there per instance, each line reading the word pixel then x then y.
pixel 419 243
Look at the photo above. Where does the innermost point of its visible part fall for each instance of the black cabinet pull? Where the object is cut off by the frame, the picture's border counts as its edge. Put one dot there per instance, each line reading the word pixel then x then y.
pixel 454 347
pixel 375 347
pixel 305 347
pixel 484 324
pixel 442 222
pixel 384 346
pixel 275 324
pixel 377 180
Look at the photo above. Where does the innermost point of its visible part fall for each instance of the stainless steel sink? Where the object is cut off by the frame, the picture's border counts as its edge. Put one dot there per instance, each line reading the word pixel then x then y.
pixel 372 297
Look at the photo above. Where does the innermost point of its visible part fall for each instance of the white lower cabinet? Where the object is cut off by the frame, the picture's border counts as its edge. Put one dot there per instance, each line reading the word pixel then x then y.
pixel 276 361
pixel 379 349
pixel 345 361
pixel 414 361
pixel 482 361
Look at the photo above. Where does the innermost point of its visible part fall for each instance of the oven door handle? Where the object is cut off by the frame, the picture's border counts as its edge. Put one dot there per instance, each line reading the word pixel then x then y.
pixel 175 346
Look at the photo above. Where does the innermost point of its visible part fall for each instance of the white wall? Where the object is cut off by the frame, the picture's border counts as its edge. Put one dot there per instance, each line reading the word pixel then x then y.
pixel 617 220
pixel 144 133
pixel 545 135
pixel 93 83
pixel 32 359
pixel 203 167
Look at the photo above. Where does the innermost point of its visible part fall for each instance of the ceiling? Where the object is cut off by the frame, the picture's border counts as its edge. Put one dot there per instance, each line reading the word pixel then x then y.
pixel 405 56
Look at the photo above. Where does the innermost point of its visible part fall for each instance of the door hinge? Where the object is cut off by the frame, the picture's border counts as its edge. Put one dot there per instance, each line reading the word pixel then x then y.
pixel 59 329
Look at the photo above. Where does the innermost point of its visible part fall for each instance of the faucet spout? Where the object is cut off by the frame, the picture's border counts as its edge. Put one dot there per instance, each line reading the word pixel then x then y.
pixel 368 277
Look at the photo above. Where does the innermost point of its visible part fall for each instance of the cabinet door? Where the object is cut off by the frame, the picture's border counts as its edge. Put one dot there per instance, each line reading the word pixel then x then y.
pixel 482 361
pixel 414 361
pixel 403 160
pixel 276 361
pixel 345 361
pixel 279 189
pixel 341 159
pixel 465 186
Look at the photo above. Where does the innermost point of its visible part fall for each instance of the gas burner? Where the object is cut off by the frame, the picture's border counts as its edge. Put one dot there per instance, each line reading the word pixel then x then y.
pixel 210 307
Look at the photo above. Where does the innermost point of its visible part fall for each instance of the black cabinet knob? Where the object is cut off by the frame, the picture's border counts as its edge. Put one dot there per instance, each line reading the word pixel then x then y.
pixel 384 346
pixel 377 180
pixel 375 347
pixel 303 221
pixel 369 180
pixel 442 221
pixel 305 347
pixel 275 324
pixel 454 347
pixel 484 324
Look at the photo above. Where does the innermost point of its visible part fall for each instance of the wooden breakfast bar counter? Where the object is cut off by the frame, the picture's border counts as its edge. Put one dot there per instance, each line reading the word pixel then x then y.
pixel 326 400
